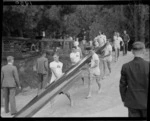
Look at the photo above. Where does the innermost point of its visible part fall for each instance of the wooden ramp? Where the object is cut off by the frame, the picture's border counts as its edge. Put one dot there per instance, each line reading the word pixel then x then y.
pixel 55 88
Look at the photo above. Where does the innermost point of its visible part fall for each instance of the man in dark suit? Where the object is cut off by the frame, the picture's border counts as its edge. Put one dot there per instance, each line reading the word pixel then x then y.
pixel 9 82
pixel 42 70
pixel 126 40
pixel 134 82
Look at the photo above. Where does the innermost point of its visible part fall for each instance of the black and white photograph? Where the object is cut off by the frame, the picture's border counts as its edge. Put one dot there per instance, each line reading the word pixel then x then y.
pixel 75 59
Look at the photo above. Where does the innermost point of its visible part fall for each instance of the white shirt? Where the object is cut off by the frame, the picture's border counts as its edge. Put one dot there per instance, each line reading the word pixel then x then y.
pixel 76 43
pixel 107 50
pixel 10 63
pixel 104 38
pixel 57 66
pixel 71 38
pixel 91 43
pixel 75 57
pixel 96 43
pixel 79 50
pixel 84 42
pixel 95 70
pixel 101 40
pixel 117 41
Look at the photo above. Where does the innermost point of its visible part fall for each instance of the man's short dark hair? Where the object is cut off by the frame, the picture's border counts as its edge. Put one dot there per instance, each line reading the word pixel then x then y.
pixel 74 47
pixel 10 58
pixel 55 53
pixel 138 45
pixel 89 48
pixel 43 52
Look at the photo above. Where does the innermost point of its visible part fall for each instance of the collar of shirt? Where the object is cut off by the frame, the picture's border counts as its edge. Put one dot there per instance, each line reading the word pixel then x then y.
pixel 10 63
pixel 57 61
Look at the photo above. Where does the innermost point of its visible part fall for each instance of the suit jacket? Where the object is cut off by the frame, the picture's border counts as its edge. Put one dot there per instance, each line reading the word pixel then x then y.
pixel 134 83
pixel 126 38
pixel 9 76
pixel 42 65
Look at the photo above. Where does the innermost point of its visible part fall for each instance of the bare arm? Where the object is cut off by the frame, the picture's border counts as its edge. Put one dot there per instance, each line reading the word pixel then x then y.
pixel 72 60
pixel 110 52
pixel 54 71
pixel 96 64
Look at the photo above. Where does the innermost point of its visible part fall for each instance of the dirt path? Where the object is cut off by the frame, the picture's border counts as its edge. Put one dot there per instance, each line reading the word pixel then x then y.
pixel 109 98
pixel 106 104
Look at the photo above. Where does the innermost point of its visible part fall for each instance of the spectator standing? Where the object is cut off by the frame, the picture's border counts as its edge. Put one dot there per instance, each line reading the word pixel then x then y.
pixel 42 70
pixel 75 56
pixel 91 43
pixel 84 40
pixel 9 82
pixel 76 44
pixel 117 40
pixel 126 40
pixel 134 82
pixel 83 45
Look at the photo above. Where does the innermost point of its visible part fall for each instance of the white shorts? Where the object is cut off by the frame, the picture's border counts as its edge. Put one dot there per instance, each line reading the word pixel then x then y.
pixel 117 47
pixel 108 59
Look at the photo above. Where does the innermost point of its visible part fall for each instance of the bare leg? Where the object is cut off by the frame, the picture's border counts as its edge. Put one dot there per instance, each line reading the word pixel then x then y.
pixel 115 54
pixel 105 66
pixel 98 79
pixel 118 50
pixel 89 87
pixel 109 66
pixel 69 97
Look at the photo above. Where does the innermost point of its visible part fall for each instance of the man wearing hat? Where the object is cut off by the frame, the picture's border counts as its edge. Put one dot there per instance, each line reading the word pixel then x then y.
pixel 9 82
pixel 134 82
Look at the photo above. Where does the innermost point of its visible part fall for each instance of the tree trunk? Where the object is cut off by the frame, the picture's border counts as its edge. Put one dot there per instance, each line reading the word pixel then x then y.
pixel 8 33
pixel 135 22
pixel 142 23
pixel 20 33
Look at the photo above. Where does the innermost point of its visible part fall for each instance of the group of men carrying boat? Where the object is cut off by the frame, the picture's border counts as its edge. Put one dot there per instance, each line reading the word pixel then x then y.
pixel 96 68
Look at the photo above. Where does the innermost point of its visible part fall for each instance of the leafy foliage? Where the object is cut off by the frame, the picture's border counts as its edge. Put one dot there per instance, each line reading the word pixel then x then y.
pixel 60 20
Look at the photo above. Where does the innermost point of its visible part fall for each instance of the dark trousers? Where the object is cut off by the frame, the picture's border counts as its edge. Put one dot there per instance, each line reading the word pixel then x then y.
pixel 125 48
pixel 137 112
pixel 2 98
pixel 9 97
pixel 43 80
